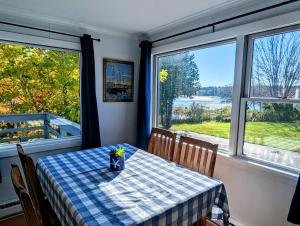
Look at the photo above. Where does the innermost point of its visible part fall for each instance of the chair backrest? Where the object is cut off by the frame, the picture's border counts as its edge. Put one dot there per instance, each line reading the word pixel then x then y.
pixel 162 143
pixel 197 155
pixel 33 184
pixel 32 217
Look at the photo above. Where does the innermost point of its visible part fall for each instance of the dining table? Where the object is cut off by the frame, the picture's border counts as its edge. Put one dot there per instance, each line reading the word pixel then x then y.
pixel 82 189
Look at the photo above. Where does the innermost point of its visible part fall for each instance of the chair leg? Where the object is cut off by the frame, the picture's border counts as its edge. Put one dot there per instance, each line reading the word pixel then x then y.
pixel 201 222
pixel 209 222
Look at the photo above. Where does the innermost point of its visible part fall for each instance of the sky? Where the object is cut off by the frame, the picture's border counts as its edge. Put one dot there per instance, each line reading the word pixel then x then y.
pixel 125 70
pixel 216 64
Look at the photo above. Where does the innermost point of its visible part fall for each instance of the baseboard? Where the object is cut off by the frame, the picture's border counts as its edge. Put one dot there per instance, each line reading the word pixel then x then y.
pixel 10 208
pixel 235 222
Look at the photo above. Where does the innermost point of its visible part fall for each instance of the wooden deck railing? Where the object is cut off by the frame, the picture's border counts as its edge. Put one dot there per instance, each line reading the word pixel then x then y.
pixel 25 127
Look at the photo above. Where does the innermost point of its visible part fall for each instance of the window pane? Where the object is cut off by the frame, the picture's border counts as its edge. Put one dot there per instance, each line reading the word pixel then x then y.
pixel 276 66
pixel 39 93
pixel 195 92
pixel 272 132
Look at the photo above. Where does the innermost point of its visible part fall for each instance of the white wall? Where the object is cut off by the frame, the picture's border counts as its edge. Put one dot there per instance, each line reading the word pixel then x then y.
pixel 117 119
pixel 257 196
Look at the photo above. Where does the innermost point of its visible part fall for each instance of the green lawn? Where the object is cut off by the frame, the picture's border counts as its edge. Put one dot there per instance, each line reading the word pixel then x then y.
pixel 278 135
pixel 217 129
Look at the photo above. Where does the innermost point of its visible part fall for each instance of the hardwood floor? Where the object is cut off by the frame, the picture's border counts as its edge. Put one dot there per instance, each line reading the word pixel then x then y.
pixel 17 220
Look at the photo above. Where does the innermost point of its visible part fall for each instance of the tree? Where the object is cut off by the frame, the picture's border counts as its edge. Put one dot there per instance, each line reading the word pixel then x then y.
pixel 178 77
pixel 196 113
pixel 276 64
pixel 34 80
pixel 278 112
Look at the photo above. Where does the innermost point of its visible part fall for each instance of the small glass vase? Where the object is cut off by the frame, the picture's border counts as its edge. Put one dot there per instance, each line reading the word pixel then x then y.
pixel 117 163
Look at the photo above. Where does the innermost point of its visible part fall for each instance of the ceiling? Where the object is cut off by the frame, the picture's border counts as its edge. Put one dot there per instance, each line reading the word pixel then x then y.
pixel 130 16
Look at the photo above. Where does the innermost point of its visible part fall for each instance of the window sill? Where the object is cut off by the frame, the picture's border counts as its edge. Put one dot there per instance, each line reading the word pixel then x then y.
pixel 250 163
pixel 9 150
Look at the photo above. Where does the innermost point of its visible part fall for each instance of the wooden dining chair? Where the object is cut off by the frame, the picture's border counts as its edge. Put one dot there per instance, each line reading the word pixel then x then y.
pixel 32 217
pixel 42 205
pixel 199 156
pixel 162 143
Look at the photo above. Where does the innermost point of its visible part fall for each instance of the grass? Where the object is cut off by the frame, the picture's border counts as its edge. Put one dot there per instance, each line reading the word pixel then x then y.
pixel 216 129
pixel 279 135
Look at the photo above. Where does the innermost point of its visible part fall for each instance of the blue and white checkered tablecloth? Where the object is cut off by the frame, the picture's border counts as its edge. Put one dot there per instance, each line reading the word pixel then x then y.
pixel 149 191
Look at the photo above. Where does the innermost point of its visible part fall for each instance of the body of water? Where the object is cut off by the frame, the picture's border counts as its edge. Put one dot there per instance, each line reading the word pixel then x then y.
pixel 210 102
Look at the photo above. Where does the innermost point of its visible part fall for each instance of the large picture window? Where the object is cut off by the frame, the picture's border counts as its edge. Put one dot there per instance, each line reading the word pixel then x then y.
pixel 243 95
pixel 39 93
pixel 195 92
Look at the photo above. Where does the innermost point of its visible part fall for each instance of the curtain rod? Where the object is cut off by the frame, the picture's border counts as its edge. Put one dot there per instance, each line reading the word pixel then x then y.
pixel 41 29
pixel 225 20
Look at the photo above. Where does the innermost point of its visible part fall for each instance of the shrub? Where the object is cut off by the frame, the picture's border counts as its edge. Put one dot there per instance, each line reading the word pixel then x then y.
pixel 196 113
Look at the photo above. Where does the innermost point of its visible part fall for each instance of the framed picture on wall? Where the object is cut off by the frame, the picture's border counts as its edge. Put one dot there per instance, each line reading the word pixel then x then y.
pixel 117 80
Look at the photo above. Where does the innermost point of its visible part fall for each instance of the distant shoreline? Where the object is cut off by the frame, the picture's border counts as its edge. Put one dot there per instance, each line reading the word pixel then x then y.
pixel 210 102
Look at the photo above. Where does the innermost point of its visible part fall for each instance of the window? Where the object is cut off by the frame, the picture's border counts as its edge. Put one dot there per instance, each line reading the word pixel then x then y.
pixel 39 93
pixel 246 98
pixel 271 104
pixel 195 92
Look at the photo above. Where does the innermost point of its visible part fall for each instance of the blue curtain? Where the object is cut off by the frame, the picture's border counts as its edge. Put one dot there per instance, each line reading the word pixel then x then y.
pixel 144 97
pixel 89 111
pixel 294 214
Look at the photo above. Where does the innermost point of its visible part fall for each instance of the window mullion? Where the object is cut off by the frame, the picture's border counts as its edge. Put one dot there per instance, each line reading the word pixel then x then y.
pixel 241 130
pixel 246 78
pixel 237 92
pixel 271 100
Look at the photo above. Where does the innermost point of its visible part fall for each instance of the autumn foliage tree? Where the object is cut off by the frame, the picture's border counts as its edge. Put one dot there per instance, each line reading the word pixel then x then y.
pixel 35 80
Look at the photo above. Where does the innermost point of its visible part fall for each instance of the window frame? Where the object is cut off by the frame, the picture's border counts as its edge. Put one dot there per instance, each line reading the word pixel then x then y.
pixel 249 51
pixel 236 87
pixel 247 96
pixel 7 150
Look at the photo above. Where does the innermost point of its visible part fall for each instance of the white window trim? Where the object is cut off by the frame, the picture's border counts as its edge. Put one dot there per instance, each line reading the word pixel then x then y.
pixel 9 150
pixel 6 36
pixel 241 75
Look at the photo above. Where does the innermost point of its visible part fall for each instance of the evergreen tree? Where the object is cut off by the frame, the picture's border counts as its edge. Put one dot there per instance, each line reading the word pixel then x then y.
pixel 179 76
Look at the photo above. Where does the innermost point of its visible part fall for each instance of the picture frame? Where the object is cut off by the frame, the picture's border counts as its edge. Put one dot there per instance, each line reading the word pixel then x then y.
pixel 118 80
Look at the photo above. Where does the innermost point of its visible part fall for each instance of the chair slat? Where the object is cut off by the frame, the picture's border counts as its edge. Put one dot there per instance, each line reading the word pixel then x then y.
pixel 167 153
pixel 198 155
pixel 156 143
pixel 200 152
pixel 193 154
pixel 186 153
pixel 206 163
pixel 160 149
